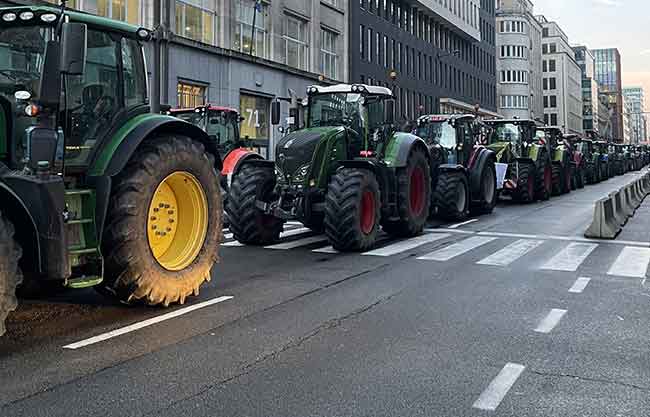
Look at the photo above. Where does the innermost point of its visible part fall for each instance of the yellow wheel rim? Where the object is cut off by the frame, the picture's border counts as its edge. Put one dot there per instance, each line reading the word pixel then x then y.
pixel 178 221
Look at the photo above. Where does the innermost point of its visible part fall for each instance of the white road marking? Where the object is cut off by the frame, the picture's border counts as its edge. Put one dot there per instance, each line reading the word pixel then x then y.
pixel 405 245
pixel 233 244
pixel 294 232
pixel 326 249
pixel 457 249
pixel 549 322
pixel 511 253
pixel 580 285
pixel 228 236
pixel 226 230
pixel 456 226
pixel 146 323
pixel 297 243
pixel 499 387
pixel 448 230
pixel 631 262
pixel 571 257
pixel 294 223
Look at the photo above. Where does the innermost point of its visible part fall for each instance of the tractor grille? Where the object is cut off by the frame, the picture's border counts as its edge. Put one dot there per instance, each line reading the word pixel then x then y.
pixel 296 150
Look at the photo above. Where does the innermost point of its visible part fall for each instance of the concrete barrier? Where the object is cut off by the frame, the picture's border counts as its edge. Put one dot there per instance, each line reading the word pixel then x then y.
pixel 619 213
pixel 604 224
pixel 634 196
pixel 626 203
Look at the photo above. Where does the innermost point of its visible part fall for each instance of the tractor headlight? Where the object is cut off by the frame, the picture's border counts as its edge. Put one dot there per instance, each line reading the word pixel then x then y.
pixel 26 15
pixel 9 17
pixel 48 17
pixel 300 176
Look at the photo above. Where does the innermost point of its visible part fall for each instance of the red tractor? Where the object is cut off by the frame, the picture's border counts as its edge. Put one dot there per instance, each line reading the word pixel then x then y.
pixel 222 126
pixel 572 143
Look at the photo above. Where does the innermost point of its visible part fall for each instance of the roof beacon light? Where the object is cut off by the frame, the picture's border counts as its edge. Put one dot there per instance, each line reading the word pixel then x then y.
pixel 9 17
pixel 26 15
pixel 48 17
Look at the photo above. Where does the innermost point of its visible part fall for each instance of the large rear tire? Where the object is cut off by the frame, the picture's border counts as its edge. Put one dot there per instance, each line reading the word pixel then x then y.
pixel 451 197
pixel 581 176
pixel 525 192
pixel 164 223
pixel 558 179
pixel 248 223
pixel 488 191
pixel 567 177
pixel 352 210
pixel 544 182
pixel 414 197
pixel 10 273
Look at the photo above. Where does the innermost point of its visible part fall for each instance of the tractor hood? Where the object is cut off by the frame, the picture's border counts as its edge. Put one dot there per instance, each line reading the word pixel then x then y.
pixel 295 151
pixel 499 148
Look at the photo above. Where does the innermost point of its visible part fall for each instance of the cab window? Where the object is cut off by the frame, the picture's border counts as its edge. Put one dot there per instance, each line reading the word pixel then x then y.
pixel 135 89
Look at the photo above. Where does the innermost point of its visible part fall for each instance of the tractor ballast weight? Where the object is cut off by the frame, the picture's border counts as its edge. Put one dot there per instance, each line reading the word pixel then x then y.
pixel 345 173
pixel 96 191
pixel 462 169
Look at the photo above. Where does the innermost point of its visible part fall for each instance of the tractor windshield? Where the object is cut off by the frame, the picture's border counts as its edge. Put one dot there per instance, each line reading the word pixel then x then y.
pixel 507 132
pixel 337 109
pixel 22 52
pixel 442 133
pixel 222 126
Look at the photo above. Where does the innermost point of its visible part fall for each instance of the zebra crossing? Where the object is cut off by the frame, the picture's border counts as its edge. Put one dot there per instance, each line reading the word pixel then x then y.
pixel 499 250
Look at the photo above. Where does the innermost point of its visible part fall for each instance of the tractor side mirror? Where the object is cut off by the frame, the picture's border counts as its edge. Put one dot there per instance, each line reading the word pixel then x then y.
pixel 389 111
pixel 74 47
pixel 275 113
pixel 50 81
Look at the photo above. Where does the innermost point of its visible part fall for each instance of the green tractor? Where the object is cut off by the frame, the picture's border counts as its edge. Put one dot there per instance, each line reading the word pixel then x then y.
pixel 563 164
pixel 605 163
pixel 347 172
pixel 463 170
pixel 620 158
pixel 95 190
pixel 592 158
pixel 529 175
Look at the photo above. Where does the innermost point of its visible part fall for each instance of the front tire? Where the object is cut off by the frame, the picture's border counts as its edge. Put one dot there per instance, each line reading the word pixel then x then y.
pixel 248 224
pixel 545 183
pixel 164 223
pixel 352 210
pixel 10 273
pixel 525 192
pixel 558 179
pixel 414 197
pixel 451 197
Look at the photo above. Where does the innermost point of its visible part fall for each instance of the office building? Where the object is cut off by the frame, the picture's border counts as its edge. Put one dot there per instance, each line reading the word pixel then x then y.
pixel 608 75
pixel 635 98
pixel 590 99
pixel 519 60
pixel 240 53
pixel 437 58
pixel 561 80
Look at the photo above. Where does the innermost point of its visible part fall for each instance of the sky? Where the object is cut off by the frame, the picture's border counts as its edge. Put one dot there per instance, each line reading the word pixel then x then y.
pixel 623 24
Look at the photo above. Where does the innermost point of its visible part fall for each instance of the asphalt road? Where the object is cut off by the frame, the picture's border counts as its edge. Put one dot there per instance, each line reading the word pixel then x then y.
pixel 512 314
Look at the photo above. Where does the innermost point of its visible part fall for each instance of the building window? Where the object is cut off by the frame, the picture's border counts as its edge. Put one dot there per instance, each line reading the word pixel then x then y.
pixel 552 102
pixel 295 42
pixel 245 12
pixel 551 65
pixel 545 48
pixel 553 119
pixel 545 33
pixel 328 56
pixel 553 48
pixel 335 3
pixel 196 22
pixel 191 95
pixel 552 83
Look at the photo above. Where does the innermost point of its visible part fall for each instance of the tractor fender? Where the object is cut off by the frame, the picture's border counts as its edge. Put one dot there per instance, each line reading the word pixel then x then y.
pixel 116 152
pixel 15 209
pixel 482 157
pixel 399 147
pixel 235 158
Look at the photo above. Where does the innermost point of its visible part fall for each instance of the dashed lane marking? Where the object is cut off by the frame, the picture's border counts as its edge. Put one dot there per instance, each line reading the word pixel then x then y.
pixel 146 323
pixel 551 320
pixel 499 387
pixel 580 285
pixel 297 243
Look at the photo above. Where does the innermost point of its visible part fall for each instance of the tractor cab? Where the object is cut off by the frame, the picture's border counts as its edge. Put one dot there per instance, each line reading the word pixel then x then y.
pixel 454 136
pixel 220 123
pixel 511 137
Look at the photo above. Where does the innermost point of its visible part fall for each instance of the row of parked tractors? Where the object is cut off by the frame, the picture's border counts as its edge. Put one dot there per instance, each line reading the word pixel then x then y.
pixel 345 170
